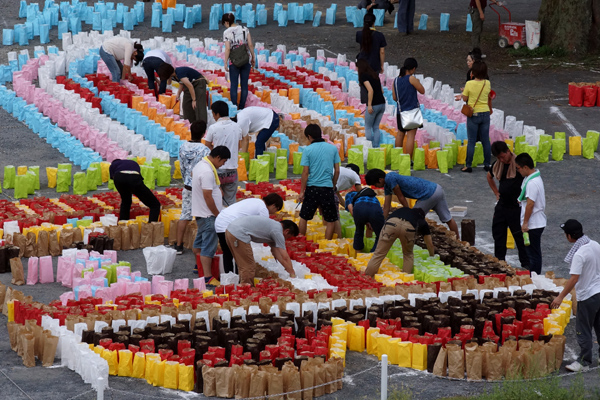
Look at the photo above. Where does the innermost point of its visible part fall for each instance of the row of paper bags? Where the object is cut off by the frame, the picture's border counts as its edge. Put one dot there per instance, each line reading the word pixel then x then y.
pixel 31 341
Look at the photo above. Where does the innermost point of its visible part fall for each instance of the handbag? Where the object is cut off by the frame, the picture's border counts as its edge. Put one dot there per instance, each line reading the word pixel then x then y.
pixel 466 109
pixel 411 119
pixel 239 55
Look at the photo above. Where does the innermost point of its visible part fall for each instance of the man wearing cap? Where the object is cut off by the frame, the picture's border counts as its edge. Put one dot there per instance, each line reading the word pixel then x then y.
pixel 584 258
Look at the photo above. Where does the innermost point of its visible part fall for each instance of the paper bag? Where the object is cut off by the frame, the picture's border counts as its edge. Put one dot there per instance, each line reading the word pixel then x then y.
pixel 456 363
pixel 16 267
pixel 146 235
pixel 441 363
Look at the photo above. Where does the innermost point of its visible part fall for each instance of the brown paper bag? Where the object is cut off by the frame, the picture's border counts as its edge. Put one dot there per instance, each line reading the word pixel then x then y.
pixel 225 382
pixel 275 385
pixel 258 384
pixel 28 342
pixel 158 234
pixel 339 372
pixel 146 236
pixel 53 246
pixel 209 378
pixel 30 245
pixel 16 267
pixel 38 335
pixel 13 332
pixel 50 345
pixel 42 244
pixel 486 348
pixel 516 366
pixel 536 362
pixel 330 376
pixel 66 238
pixel 550 349
pixel 307 377
pixel 441 363
pixel 7 298
pixel 242 380
pixel 456 363
pixel 134 236
pixel 2 295
pixel 77 235
pixel 125 238
pixel 474 362
pixel 114 232
pixel 559 350
pixel 494 369
pixel 319 376
pixel 291 381
pixel 173 232
pixel 21 242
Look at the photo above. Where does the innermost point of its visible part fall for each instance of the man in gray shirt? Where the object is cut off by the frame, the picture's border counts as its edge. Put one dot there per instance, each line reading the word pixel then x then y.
pixel 259 229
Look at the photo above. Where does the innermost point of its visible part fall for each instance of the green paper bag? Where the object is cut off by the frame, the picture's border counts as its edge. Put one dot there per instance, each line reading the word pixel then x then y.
pixel 63 180
pixel 419 159
pixel 434 144
pixel 388 152
pixel 451 157
pixel 349 231
pixel 90 178
pixel 156 162
pixel 262 171
pixel 376 159
pixel 246 157
pixel 478 155
pixel 67 166
pixel 36 170
pixel 442 159
pixel 31 177
pixel 252 170
pixel 594 135
pixel 358 146
pixel 164 175
pixel 80 183
pixel 559 148
pixel 560 135
pixel 297 158
pixel 282 153
pixel 544 147
pixel 395 158
pixel 9 176
pixel 588 148
pixel 111 185
pixel 519 143
pixel 404 168
pixel 21 186
pixel 97 172
pixel 272 155
pixel 148 176
pixel 532 151
pixel 355 156
pixel 282 168
pixel 84 222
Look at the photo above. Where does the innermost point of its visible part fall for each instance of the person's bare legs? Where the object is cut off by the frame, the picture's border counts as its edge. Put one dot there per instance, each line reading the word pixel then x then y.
pixel 302 226
pixel 338 229
pixel 453 227
pixel 181 225
pixel 329 230
pixel 205 261
pixel 399 139
pixel 410 142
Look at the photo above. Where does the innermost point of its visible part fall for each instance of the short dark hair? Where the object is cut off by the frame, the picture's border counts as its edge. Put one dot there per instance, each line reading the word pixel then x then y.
pixel 198 129
pixel 313 131
pixel 373 176
pixel 221 108
pixel 524 160
pixel 229 18
pixel 476 54
pixel 222 152
pixel 165 71
pixel 354 168
pixel 291 226
pixel 273 199
pixel 479 69
pixel 139 55
pixel 499 147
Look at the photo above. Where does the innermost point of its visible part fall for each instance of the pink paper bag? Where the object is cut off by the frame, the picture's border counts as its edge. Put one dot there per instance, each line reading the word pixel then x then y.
pixel 105 293
pixel 46 271
pixel 78 281
pixel 200 284
pixel 64 271
pixel 97 282
pixel 123 271
pixel 133 287
pixel 136 274
pixel 165 288
pixel 145 288
pixel 112 254
pixel 99 273
pixel 181 284
pixel 83 255
pixel 118 288
pixel 155 280
pixel 66 296
pixel 32 270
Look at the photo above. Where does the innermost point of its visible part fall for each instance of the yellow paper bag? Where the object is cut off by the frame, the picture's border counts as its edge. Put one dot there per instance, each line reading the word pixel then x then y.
pixel 104 167
pixel 125 363
pixel 419 356
pixel 391 349
pixel 11 310
pixel 51 174
pixel 371 343
pixel 186 377
pixel 151 360
pixel 405 354
pixel 177 173
pixel 574 146
pixel 461 158
pixel 159 373
pixel 510 240
pixel 111 358
pixel 139 365
pixel 356 338
pixel 21 170
pixel 171 375
pixel 382 345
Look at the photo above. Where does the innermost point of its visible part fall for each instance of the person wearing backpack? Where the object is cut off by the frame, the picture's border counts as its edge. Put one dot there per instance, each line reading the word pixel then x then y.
pixel 239 56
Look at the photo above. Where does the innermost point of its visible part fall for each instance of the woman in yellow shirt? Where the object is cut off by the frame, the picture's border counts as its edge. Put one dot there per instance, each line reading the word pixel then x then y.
pixel 476 95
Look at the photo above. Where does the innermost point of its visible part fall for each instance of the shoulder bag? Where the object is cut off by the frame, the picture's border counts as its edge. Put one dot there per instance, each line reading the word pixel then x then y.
pixel 410 119
pixel 467 110
pixel 239 55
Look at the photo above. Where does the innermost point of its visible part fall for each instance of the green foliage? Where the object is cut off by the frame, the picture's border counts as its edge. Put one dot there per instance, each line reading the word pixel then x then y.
pixel 401 393
pixel 542 51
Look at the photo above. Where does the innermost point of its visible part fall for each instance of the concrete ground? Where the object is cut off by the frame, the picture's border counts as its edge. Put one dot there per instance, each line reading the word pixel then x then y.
pixel 533 90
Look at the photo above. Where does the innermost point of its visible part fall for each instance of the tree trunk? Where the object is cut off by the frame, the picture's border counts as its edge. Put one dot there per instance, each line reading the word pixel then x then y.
pixel 573 25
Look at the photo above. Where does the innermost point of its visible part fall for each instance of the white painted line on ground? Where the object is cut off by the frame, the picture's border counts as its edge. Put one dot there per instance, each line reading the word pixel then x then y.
pixel 556 111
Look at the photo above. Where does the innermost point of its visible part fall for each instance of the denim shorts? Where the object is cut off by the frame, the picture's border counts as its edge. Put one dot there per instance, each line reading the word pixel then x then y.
pixel 206 238
pixel 186 205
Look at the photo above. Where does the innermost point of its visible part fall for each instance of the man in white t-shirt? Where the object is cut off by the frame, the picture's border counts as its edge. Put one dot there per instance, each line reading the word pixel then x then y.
pixel 226 133
pixel 349 178
pixel 268 205
pixel 584 258
pixel 257 119
pixel 207 202
pixel 533 204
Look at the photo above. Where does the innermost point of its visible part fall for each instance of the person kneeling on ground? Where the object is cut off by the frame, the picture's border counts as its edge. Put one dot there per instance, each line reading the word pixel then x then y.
pixel 403 224
pixel 429 195
pixel 129 181
pixel 258 229
pixel 268 205
pixel 366 210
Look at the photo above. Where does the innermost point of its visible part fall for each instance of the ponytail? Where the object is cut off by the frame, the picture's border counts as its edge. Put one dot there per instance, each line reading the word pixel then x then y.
pixel 402 71
pixel 139 56
pixel 367 34
pixel 409 64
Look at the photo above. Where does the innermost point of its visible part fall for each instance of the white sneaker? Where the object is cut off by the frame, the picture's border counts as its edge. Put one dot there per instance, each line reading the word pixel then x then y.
pixel 577 367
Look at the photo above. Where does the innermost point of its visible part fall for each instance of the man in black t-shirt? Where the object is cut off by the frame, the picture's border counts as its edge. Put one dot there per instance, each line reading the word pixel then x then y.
pixel 507 213
pixel 404 224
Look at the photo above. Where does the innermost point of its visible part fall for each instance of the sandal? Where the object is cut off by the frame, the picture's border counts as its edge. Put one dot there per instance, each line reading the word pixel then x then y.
pixel 467 169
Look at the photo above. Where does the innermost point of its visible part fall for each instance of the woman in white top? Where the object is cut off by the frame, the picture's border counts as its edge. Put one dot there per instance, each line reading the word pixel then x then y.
pixel 114 50
pixel 152 62
pixel 236 62
pixel 257 119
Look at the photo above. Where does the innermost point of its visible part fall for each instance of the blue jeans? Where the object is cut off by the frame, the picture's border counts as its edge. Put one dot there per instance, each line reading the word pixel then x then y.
pixel 406 16
pixel 478 128
pixel 114 66
pixel 234 75
pixel 534 250
pixel 265 134
pixel 206 237
pixel 372 124
pixel 364 213
pixel 151 65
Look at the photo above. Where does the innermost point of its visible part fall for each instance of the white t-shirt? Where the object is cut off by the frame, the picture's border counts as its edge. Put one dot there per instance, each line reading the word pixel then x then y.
pixel 203 178
pixel 236 35
pixel 159 54
pixel 347 179
pixel 120 48
pixel 240 209
pixel 535 191
pixel 226 133
pixel 586 264
pixel 254 119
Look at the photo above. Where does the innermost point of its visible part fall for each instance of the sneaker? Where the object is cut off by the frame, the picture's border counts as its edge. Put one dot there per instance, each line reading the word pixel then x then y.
pixel 196 269
pixel 577 367
pixel 179 249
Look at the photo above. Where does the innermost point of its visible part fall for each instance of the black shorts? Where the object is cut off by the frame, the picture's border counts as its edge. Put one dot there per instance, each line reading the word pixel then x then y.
pixel 315 197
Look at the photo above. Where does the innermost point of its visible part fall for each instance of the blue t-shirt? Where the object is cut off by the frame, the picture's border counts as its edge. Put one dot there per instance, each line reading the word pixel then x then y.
pixel 187 72
pixel 411 187
pixel 320 158
pixel 371 201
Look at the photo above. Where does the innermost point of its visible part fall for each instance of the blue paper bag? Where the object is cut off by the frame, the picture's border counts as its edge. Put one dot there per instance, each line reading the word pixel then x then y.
pixel 461 131
pixel 444 22
pixel 317 18
pixel 299 15
pixel 261 17
pixel 379 16
pixel 8 37
pixel 282 19
pixel 139 11
pixel 227 8
pixel 330 16
pixel 29 30
pixel 423 22
pixel 112 16
pixel 308 11
pixel 238 12
pixel 213 23
pixel 251 16
pixel 75 25
pixel 22 35
pixel 97 22
pixel 128 21
pixel 156 18
pixel 291 11
pixel 190 19
pixel 469 23
pixel 350 14
pixel 396 21
pixel 198 12
pixel 171 12
pixel 44 34
pixel 179 12
pixel 245 10
pixel 276 9
pixel 107 25
pixel 23 9
pixel 359 15
pixel 120 13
